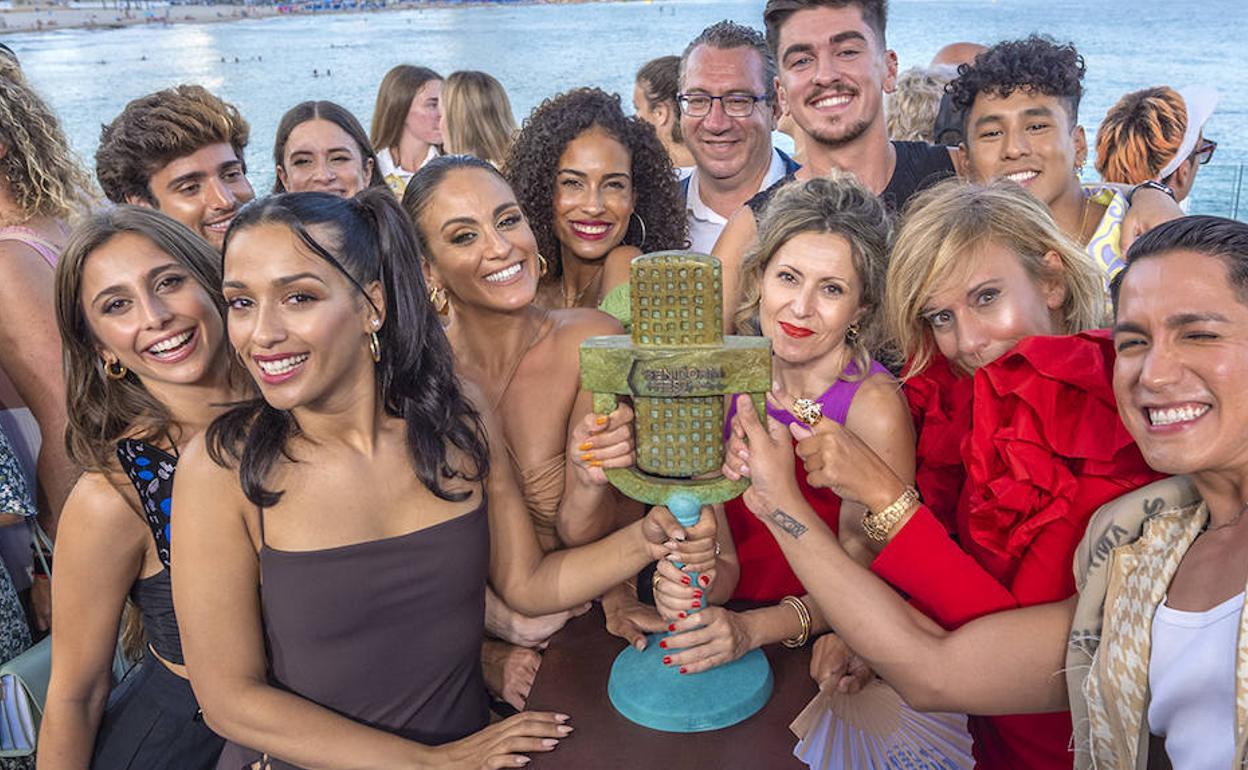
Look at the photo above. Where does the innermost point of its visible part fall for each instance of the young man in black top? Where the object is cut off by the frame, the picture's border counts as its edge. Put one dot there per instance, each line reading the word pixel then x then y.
pixel 834 68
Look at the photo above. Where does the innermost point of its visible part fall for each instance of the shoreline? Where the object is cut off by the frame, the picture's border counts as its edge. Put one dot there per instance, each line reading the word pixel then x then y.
pixel 24 19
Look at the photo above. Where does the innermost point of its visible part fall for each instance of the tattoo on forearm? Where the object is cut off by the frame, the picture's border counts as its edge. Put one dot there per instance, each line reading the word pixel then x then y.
pixel 786 522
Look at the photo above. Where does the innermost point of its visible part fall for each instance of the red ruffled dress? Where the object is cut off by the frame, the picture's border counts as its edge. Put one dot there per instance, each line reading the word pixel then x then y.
pixel 1011 464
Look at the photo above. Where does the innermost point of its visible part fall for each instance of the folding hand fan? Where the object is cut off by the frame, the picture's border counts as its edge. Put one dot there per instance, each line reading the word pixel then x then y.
pixel 874 729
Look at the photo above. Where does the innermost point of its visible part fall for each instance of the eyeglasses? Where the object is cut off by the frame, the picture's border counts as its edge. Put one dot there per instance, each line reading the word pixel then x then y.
pixel 1204 151
pixel 735 105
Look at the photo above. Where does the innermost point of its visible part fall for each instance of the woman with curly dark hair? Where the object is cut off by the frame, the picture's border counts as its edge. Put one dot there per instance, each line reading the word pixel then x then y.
pixel 598 189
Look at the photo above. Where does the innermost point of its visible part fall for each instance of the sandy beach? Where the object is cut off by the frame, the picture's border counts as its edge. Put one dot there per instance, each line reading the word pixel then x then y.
pixel 45 18
pixel 53 17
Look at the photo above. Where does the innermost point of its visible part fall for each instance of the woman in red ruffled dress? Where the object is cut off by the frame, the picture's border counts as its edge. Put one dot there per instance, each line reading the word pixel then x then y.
pixel 1019 440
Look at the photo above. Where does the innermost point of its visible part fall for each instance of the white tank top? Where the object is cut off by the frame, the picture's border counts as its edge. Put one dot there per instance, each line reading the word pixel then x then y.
pixel 1191 676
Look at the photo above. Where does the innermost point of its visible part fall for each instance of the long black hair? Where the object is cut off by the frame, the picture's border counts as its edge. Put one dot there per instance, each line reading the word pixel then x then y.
pixel 416 376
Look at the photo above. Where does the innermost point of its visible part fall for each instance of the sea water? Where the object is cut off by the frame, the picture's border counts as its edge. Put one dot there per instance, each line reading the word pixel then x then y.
pixel 266 66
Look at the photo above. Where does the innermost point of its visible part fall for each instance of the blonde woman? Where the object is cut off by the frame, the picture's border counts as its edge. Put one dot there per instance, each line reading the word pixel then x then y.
pixel 41 188
pixel 476 117
pixel 814 286
pixel 987 299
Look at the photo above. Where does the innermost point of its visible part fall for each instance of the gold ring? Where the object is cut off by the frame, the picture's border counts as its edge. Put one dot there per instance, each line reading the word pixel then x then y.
pixel 654 582
pixel 808 411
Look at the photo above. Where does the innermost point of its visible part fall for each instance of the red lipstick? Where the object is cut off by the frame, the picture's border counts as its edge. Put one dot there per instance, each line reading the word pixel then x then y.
pixel 795 331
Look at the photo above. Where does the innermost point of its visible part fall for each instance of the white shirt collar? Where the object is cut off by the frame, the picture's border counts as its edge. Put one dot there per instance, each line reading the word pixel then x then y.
pixel 704 213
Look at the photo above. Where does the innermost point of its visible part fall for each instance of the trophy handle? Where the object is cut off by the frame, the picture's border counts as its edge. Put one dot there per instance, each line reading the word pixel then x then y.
pixel 605 403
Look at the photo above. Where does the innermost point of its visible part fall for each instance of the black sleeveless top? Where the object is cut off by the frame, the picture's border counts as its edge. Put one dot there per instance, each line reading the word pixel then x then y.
pixel 919 166
pixel 387 632
pixel 151 471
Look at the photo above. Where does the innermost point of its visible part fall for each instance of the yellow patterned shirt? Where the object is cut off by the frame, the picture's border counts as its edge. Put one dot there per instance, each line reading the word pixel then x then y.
pixel 1105 245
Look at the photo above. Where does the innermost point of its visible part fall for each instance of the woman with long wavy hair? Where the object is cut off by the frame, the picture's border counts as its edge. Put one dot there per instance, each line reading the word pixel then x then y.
pixel 147 368
pixel 598 189
pixel 42 187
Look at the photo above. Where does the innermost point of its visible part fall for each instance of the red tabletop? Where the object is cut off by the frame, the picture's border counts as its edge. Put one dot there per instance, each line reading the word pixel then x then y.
pixel 573 680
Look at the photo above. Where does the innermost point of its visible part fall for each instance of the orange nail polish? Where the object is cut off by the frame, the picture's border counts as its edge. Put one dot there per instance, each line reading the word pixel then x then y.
pixel 601 420
pixel 588 445
pixel 595 463
pixel 587 456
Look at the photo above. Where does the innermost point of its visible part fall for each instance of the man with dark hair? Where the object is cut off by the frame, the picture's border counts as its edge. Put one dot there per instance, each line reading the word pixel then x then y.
pixel 179 150
pixel 1020 101
pixel 654 99
pixel 728 110
pixel 833 70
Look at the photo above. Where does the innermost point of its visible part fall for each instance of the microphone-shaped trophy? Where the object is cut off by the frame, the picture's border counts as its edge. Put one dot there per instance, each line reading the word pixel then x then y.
pixel 677 366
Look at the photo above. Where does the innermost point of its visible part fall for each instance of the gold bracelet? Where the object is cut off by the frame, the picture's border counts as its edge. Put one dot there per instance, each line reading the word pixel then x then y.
pixel 878 525
pixel 803 617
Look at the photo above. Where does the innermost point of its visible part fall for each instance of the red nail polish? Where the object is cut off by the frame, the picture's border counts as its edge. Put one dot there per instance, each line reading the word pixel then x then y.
pixel 704 580
pixel 684 579
pixel 667 660
pixel 697 594
pixel 663 644
pixel 680 615
pixel 684 670
pixel 696 604
pixel 671 627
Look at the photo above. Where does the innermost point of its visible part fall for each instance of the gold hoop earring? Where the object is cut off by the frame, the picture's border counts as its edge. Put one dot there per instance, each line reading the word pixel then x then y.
pixel 851 333
pixel 641 222
pixel 437 298
pixel 543 265
pixel 374 347
pixel 113 370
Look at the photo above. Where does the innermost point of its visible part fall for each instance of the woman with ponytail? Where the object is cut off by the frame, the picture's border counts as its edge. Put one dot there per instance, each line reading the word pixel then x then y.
pixel 348 520
pixel 146 368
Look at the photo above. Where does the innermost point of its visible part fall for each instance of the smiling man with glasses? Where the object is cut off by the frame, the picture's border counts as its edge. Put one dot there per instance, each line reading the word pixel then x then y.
pixel 728 110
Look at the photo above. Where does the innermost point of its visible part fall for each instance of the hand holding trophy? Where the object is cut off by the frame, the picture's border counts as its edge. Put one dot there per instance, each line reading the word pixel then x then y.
pixel 678 366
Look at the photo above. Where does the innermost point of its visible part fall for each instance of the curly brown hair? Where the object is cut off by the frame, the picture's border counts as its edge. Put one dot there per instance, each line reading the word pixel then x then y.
pixel 534 159
pixel 44 177
pixel 157 129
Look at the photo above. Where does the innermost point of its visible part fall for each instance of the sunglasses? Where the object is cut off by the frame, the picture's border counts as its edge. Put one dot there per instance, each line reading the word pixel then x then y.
pixel 1204 151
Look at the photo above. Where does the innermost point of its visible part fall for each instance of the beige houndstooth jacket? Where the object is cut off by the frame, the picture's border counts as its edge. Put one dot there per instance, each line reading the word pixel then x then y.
pixel 1123 568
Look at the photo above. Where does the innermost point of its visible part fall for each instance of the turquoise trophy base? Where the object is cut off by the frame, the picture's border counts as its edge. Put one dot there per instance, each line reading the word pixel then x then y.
pixel 653 695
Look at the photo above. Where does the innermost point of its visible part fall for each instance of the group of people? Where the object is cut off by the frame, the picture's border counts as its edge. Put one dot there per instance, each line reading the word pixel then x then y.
pixel 367 387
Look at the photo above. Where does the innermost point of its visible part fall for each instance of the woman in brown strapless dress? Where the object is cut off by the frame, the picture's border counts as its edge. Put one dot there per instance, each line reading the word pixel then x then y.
pixel 348 521
pixel 525 359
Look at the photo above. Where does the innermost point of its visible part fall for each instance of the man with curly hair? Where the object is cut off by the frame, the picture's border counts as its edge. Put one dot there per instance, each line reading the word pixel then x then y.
pixel 728 110
pixel 179 150
pixel 1020 101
